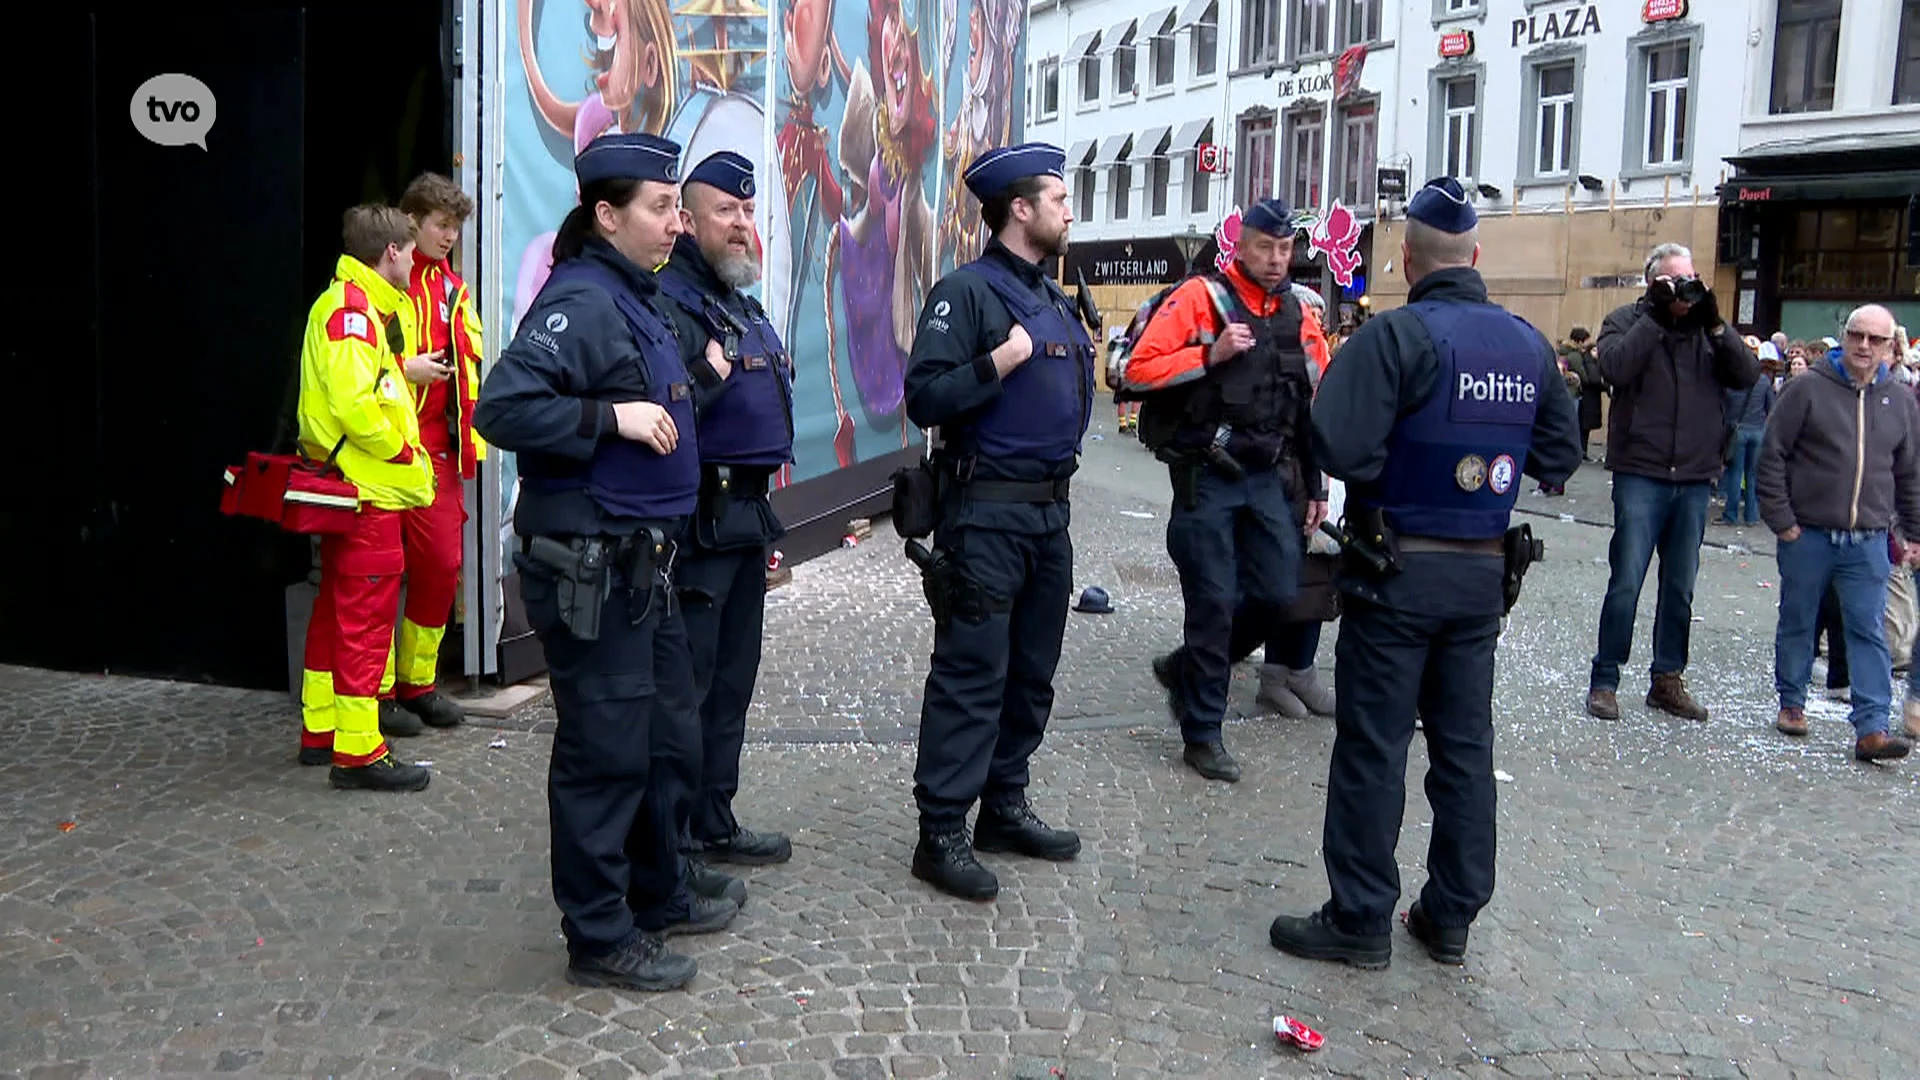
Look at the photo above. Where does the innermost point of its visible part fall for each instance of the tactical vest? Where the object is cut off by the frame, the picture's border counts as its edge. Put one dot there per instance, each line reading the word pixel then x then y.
pixel 752 423
pixel 1046 403
pixel 1453 465
pixel 1258 392
pixel 626 478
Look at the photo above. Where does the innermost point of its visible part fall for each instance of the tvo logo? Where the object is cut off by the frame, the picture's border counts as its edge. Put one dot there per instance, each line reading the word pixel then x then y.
pixel 173 110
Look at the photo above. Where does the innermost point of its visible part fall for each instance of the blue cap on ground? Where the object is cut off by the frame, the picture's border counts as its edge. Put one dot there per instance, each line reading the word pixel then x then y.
pixel 1094 601
pixel 629 157
pixel 1271 216
pixel 1442 203
pixel 727 171
pixel 993 172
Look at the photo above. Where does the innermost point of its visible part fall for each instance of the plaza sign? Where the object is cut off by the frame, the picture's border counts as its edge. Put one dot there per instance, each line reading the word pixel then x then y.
pixel 1579 21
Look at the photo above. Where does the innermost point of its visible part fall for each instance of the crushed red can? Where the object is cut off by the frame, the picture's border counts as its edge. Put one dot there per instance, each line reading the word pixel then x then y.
pixel 1293 1033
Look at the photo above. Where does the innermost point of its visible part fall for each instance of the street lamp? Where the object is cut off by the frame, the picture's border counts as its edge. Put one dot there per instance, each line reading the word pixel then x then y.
pixel 1190 243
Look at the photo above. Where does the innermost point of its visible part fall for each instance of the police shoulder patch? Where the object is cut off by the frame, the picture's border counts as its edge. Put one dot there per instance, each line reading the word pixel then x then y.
pixel 1501 473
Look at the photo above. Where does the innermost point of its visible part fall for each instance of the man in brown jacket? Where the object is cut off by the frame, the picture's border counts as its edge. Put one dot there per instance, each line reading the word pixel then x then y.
pixel 1667 356
pixel 1839 467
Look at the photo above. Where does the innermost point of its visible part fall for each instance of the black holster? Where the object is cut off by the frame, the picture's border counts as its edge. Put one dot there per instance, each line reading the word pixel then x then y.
pixel 579 569
pixel 916 502
pixel 1521 551
pixel 951 593
pixel 1368 547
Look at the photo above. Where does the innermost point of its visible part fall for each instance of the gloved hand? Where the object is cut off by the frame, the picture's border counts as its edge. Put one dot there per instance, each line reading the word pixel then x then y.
pixel 1706 313
pixel 1660 294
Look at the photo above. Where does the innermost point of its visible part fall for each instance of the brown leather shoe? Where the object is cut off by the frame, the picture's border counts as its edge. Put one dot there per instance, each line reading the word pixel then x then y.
pixel 1669 695
pixel 1882 746
pixel 1603 705
pixel 1792 722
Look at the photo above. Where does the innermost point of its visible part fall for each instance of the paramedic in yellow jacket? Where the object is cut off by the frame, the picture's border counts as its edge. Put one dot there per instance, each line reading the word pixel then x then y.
pixel 445 383
pixel 355 407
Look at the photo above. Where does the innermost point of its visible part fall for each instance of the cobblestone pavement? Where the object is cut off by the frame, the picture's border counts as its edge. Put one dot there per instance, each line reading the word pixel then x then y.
pixel 176 897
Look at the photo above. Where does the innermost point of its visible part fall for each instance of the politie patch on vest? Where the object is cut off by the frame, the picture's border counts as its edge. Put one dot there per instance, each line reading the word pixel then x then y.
pixel 1501 474
pixel 1471 473
pixel 1493 397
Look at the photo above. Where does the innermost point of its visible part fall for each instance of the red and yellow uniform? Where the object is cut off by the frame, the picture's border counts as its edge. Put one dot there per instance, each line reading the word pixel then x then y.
pixel 431 535
pixel 353 394
pixel 1173 348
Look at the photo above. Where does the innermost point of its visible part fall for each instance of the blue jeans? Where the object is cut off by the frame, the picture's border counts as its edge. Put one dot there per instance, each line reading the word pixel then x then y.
pixel 1743 466
pixel 1650 515
pixel 1856 565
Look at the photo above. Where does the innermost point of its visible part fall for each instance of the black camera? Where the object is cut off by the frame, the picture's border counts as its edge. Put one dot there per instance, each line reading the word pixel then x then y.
pixel 1690 290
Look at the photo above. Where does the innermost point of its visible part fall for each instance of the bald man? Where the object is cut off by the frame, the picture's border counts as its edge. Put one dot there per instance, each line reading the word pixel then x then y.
pixel 1840 466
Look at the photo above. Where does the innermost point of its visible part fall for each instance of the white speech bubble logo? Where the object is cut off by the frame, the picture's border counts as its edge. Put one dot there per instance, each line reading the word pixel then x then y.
pixel 173 110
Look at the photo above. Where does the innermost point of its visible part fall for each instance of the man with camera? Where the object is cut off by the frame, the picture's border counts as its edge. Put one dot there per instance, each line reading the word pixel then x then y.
pixel 1667 357
pixel 1432 415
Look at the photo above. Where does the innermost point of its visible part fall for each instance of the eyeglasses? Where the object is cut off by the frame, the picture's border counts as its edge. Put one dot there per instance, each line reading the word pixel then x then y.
pixel 1878 341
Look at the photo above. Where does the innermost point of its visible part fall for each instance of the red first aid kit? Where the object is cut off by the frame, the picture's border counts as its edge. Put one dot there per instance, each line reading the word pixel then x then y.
pixel 292 491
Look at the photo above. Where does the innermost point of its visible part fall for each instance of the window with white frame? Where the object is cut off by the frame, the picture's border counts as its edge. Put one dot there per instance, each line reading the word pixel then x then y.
pixel 1359 150
pixel 1306 156
pixel 1553 135
pixel 1443 9
pixel 1125 57
pixel 1159 180
pixel 1309 21
pixel 1806 56
pixel 1160 54
pixel 1090 73
pixel 1906 62
pixel 1256 158
pixel 1120 180
pixel 1049 80
pixel 1359 21
pixel 1083 194
pixel 1206 42
pixel 1459 120
pixel 1669 69
pixel 1259 32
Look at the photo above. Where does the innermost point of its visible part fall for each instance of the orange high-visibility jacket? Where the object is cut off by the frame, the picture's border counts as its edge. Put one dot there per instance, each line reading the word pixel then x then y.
pixel 441 298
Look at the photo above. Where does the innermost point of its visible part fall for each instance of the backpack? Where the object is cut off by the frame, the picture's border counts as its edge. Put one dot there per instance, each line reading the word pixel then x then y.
pixel 1119 352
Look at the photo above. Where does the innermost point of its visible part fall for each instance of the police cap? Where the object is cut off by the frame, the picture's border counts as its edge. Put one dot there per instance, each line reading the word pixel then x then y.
pixel 1442 204
pixel 727 171
pixel 1271 216
pixel 629 157
pixel 993 172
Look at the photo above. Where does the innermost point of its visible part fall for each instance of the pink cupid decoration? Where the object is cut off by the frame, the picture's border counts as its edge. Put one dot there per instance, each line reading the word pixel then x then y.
pixel 1335 236
pixel 1226 237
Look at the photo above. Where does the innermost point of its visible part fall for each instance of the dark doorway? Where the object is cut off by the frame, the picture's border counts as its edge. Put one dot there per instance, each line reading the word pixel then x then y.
pixel 192 279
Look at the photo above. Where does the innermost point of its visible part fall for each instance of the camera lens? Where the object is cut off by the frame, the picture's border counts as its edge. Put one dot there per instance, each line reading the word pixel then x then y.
pixel 1690 291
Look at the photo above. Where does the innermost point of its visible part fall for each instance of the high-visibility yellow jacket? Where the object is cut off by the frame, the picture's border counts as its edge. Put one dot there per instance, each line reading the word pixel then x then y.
pixel 352 385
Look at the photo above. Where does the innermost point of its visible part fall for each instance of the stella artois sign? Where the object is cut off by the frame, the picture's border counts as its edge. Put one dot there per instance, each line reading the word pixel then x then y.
pixel 1662 10
pixel 1211 159
pixel 1457 43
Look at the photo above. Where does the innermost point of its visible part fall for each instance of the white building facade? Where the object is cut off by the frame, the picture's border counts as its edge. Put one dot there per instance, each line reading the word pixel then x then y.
pixel 1176 113
pixel 1821 214
pixel 1586 131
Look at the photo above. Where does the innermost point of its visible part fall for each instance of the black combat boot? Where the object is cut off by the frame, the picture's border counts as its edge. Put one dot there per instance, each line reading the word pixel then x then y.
pixel 748 848
pixel 436 709
pixel 1314 937
pixel 1166 672
pixel 398 723
pixel 642 964
pixel 1013 826
pixel 1211 760
pixel 705 881
pixel 387 774
pixel 944 859
pixel 316 755
pixel 705 915
pixel 1446 944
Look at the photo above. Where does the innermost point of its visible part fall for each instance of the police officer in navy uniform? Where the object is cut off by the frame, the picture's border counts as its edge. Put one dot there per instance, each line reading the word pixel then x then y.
pixel 593 398
pixel 745 427
pixel 1431 415
pixel 1224 371
pixel 1003 367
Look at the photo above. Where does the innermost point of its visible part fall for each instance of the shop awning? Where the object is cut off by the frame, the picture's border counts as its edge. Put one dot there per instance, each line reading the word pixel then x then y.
pixel 1079 47
pixel 1116 36
pixel 1148 144
pixel 1112 149
pixel 1188 137
pixel 1078 153
pixel 1155 20
pixel 1761 188
pixel 1191 13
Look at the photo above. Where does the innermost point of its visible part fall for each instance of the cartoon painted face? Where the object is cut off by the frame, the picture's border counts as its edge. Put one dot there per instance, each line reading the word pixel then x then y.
pixel 976 44
pixel 896 51
pixel 806 24
pixel 628 65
